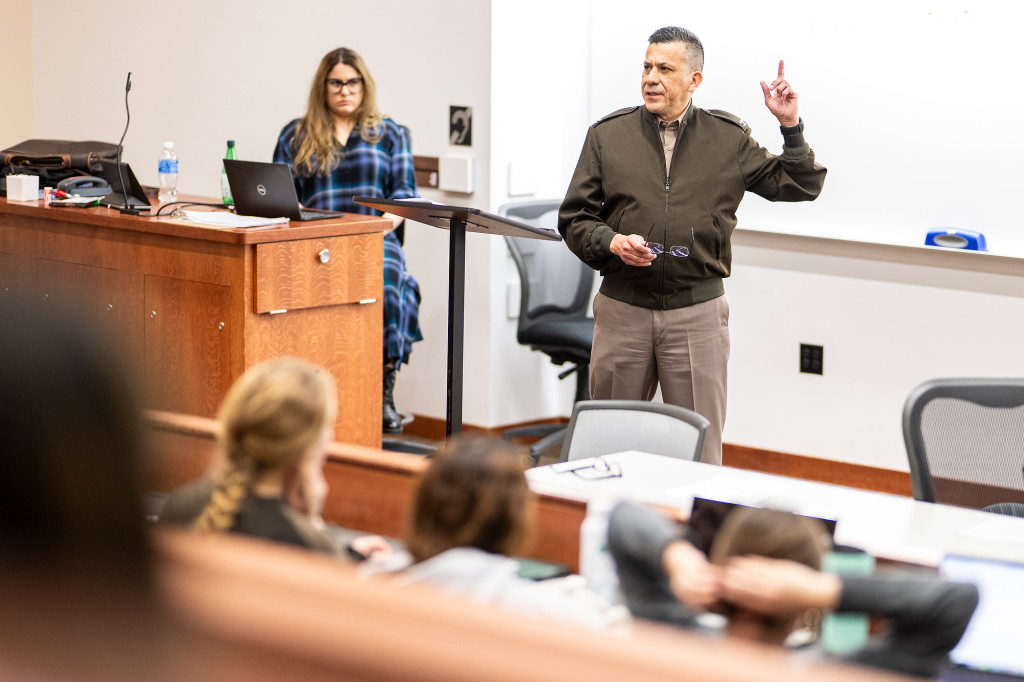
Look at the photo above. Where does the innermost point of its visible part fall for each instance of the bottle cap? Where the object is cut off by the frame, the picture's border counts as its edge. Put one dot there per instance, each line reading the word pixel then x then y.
pixel 231 143
pixel 168 145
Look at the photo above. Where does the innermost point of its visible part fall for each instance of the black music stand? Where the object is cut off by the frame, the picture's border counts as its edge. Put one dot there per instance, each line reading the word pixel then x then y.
pixel 457 220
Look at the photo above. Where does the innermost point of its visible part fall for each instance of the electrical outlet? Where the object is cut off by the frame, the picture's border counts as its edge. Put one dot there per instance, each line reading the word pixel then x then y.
pixel 812 359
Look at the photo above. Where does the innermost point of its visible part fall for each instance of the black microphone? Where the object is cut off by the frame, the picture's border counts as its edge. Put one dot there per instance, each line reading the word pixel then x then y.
pixel 124 207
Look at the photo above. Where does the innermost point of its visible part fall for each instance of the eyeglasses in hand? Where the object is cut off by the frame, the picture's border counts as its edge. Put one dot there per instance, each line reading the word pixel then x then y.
pixel 354 85
pixel 597 469
pixel 677 251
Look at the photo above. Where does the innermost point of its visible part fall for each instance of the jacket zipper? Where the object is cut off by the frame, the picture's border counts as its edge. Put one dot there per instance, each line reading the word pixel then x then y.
pixel 664 236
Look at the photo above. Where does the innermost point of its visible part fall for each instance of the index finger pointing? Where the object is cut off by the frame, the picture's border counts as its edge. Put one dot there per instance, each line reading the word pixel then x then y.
pixel 781 68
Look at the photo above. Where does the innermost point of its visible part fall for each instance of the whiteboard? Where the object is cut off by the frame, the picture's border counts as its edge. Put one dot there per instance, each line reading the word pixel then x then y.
pixel 912 106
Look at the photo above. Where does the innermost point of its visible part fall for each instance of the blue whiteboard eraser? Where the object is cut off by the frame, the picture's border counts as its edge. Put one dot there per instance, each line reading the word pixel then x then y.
pixel 955 238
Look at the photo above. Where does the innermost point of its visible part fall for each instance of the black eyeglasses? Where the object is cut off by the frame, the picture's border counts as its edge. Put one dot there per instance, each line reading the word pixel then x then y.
pixel 677 251
pixel 598 469
pixel 354 85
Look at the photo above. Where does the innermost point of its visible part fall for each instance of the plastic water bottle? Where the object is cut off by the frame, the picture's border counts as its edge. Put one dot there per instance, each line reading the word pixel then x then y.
pixel 225 186
pixel 596 563
pixel 168 169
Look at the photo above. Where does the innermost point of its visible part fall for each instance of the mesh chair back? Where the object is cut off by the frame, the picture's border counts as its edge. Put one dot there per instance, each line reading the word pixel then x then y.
pixel 554 281
pixel 965 441
pixel 604 427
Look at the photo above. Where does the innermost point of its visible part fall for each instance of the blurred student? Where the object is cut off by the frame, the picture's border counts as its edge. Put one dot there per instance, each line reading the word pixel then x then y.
pixel 268 482
pixel 79 599
pixel 473 511
pixel 764 575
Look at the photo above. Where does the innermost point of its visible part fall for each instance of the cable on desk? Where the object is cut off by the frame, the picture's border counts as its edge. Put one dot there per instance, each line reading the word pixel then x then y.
pixel 185 204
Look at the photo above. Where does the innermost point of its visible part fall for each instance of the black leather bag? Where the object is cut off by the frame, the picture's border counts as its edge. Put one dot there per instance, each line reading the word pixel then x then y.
pixel 55 155
pixel 55 160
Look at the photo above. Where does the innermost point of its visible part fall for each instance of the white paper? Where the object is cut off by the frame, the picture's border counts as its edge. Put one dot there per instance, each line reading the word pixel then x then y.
pixel 730 489
pixel 228 219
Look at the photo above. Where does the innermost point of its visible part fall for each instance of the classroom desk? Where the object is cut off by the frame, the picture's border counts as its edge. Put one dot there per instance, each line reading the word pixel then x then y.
pixel 890 527
pixel 194 306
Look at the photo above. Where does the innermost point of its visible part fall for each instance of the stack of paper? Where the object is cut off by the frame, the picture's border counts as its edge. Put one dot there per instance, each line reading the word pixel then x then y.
pixel 227 219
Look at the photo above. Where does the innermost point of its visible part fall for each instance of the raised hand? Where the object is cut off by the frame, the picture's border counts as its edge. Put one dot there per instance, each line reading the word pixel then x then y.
pixel 781 99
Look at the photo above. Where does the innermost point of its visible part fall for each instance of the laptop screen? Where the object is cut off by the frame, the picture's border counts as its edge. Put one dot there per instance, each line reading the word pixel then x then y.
pixel 993 640
pixel 267 190
pixel 707 516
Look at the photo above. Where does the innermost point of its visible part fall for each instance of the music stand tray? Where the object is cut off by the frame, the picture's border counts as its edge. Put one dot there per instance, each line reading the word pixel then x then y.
pixel 457 220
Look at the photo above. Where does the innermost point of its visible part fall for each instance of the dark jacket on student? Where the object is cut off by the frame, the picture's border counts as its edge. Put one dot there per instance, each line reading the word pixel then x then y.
pixel 620 186
pixel 268 518
pixel 926 617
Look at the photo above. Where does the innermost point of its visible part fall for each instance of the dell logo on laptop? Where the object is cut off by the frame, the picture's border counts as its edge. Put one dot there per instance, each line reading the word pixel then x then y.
pixel 262 190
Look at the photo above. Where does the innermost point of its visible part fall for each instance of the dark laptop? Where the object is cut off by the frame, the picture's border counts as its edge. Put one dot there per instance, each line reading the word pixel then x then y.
pixel 267 190
pixel 136 195
pixel 707 516
pixel 991 648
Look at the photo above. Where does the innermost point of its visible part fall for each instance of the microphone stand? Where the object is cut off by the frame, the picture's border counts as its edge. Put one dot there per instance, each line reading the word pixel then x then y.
pixel 125 207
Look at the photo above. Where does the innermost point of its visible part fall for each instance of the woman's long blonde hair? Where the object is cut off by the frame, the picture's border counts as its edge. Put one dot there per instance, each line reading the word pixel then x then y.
pixel 270 418
pixel 316 149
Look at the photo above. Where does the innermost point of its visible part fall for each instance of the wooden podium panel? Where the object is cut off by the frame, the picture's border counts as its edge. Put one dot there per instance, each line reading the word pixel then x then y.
pixel 195 306
pixel 312 273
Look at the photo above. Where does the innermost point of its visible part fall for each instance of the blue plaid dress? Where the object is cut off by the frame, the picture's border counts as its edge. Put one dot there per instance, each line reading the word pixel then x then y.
pixel 382 170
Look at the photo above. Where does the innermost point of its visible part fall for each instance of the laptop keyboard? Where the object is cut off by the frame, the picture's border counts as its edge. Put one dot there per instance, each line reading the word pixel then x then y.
pixel 309 214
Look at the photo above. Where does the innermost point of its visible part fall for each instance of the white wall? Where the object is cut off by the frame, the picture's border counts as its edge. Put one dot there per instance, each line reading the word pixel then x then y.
pixel 540 89
pixel 16 102
pixel 886 326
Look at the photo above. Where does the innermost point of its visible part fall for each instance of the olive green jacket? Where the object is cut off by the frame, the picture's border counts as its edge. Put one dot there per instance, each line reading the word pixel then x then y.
pixel 620 186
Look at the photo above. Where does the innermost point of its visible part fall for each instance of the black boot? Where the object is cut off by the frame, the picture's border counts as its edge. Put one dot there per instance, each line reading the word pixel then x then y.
pixel 392 420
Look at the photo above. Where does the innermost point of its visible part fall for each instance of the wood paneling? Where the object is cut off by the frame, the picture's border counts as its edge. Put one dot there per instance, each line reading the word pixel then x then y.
pixel 370 489
pixel 188 344
pixel 347 340
pixel 426 168
pixel 201 285
pixel 972 495
pixel 97 290
pixel 812 469
pixel 312 273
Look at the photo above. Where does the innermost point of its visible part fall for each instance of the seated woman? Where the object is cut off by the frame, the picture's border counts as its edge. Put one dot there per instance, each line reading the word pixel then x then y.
pixel 344 147
pixel 763 573
pixel 268 482
pixel 472 510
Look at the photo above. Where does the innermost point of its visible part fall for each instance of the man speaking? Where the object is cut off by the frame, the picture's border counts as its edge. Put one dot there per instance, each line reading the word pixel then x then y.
pixel 652 205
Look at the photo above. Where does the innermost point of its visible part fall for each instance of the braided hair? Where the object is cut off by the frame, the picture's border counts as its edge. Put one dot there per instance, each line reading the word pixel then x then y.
pixel 270 418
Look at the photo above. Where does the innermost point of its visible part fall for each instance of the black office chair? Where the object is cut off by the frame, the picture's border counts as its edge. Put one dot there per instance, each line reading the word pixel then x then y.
pixel 965 442
pixel 555 291
pixel 604 427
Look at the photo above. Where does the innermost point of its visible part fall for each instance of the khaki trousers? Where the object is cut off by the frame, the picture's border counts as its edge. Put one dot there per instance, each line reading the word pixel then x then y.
pixel 686 350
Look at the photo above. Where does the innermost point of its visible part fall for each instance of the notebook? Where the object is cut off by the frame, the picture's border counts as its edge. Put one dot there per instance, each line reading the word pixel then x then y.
pixel 991 648
pixel 267 190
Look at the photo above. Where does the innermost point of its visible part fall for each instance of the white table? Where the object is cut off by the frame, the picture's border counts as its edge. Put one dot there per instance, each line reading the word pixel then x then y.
pixel 888 526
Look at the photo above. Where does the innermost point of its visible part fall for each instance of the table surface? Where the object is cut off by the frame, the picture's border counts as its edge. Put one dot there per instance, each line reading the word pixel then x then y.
pixel 888 526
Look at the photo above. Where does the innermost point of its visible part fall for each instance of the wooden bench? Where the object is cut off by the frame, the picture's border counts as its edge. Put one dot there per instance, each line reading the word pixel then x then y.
pixel 370 489
pixel 256 610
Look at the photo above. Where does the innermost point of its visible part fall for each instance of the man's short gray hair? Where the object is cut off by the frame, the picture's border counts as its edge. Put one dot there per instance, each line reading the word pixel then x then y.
pixel 694 52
